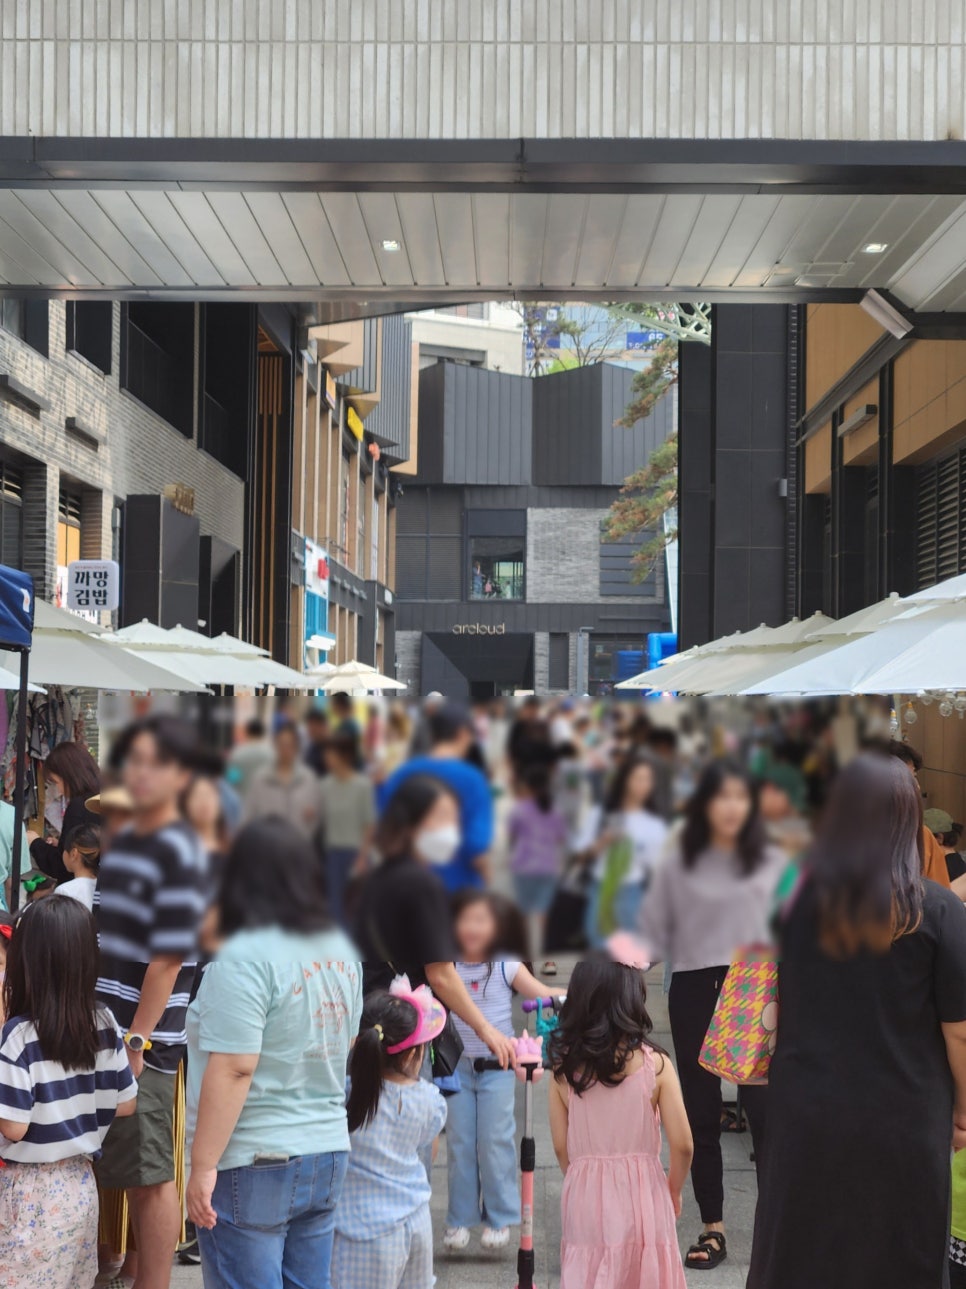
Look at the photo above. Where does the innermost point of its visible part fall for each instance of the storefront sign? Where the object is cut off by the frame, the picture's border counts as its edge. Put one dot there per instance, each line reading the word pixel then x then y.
pixel 316 570
pixel 93 585
pixel 181 497
pixel 354 423
pixel 330 390
pixel 477 629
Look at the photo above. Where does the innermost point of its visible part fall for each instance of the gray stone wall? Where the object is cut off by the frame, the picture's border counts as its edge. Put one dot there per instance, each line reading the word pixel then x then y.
pixel 465 69
pixel 563 559
pixel 140 451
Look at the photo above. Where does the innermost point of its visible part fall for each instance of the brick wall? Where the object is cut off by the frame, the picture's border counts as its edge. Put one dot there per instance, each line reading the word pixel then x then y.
pixel 563 558
pixel 140 454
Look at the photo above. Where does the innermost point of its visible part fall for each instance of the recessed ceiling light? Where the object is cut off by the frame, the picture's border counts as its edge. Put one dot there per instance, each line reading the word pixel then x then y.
pixel 390 244
pixel 875 248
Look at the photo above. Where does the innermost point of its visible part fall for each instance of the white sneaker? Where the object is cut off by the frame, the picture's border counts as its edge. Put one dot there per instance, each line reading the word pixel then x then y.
pixel 497 1238
pixel 457 1237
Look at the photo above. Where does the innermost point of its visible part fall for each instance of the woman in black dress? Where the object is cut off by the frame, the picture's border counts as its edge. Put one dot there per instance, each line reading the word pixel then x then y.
pixel 870 1063
pixel 71 771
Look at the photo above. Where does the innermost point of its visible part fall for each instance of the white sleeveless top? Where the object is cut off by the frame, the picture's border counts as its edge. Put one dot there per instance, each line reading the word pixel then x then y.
pixel 489 986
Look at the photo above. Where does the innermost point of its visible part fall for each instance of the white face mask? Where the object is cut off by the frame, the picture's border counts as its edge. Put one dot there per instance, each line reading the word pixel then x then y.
pixel 438 845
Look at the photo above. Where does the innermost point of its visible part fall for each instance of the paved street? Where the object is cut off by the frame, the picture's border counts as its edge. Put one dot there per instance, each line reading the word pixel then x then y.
pixel 475 1269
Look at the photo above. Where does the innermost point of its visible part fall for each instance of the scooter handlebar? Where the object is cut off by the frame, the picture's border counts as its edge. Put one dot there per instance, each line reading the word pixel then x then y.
pixel 531 1004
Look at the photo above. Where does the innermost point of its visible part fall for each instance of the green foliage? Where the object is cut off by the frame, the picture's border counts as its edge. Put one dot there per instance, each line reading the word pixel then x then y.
pixel 644 500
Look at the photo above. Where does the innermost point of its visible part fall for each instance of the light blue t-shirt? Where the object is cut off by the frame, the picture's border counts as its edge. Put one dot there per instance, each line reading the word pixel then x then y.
pixel 296 1000
pixel 6 849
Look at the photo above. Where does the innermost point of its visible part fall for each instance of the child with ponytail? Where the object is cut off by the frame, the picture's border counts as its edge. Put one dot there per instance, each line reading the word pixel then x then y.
pixel 383 1231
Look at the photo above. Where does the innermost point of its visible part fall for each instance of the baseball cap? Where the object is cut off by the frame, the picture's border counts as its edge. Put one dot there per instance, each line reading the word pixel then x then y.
pixel 938 820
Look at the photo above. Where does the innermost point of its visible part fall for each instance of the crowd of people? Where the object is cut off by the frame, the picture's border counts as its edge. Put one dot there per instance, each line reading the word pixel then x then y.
pixel 248 993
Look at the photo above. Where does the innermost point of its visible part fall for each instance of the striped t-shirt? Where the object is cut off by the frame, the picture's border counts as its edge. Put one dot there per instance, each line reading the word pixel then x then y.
pixel 152 897
pixel 489 985
pixel 68 1111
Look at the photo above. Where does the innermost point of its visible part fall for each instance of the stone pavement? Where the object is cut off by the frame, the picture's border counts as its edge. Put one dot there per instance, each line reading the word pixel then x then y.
pixel 475 1269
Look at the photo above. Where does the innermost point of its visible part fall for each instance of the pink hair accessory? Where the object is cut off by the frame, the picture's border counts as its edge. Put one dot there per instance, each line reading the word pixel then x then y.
pixel 529 1051
pixel 628 951
pixel 431 1013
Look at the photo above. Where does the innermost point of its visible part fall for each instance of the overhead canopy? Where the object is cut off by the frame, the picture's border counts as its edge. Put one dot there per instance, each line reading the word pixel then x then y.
pixel 214 668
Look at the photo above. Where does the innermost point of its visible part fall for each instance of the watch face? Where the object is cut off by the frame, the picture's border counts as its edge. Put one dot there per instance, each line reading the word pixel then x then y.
pixel 136 1043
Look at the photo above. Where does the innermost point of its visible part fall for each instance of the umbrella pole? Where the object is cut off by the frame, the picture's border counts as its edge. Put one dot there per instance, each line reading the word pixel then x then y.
pixel 20 783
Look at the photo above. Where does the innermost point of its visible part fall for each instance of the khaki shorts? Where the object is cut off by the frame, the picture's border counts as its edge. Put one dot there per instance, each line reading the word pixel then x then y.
pixel 139 1149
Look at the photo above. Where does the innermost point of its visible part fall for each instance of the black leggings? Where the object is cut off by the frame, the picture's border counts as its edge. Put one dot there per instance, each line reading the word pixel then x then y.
pixel 691 1004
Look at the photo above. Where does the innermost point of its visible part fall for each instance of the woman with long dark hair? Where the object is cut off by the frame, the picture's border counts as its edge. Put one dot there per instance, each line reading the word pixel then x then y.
pixel 713 893
pixel 867 1086
pixel 268 1040
pixel 71 773
pixel 64 1076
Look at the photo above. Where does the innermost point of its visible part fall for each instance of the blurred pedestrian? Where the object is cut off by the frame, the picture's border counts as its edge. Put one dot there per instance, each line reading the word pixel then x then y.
pixel 872 981
pixel 152 885
pixel 64 1077
pixel 6 852
pixel 949 835
pixel 287 789
pixel 621 843
pixel 713 893
pixel 452 735
pixel 270 1032
pixel 71 773
pixel 251 753
pixel 403 923
pixel 538 834
pixel 933 858
pixel 349 810
pixel 316 740
pixel 384 1232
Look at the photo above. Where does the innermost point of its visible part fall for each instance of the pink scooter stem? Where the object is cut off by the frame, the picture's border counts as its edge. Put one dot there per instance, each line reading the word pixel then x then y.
pixel 529 1069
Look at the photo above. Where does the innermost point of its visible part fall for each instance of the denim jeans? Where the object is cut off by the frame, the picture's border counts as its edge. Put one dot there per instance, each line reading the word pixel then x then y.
pixel 275 1225
pixel 627 908
pixel 481 1149
pixel 338 865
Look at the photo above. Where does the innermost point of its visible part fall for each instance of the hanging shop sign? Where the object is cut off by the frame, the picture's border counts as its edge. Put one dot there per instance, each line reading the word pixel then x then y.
pixel 182 497
pixel 330 390
pixel 93 585
pixel 478 629
pixel 16 608
pixel 316 569
pixel 354 423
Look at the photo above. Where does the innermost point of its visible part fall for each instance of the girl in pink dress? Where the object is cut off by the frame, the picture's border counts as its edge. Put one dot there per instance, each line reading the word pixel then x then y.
pixel 611 1093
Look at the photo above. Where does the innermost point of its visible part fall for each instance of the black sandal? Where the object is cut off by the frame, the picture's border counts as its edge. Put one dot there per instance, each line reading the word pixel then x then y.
pixel 714 1247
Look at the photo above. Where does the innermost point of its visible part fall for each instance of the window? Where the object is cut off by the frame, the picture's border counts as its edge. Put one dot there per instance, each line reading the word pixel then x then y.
pixel 429 545
pixel 89 331
pixel 28 320
pixel 496 547
pixel 68 528
pixel 496 568
pixel 344 509
pixel 11 516
pixel 941 519
pixel 157 360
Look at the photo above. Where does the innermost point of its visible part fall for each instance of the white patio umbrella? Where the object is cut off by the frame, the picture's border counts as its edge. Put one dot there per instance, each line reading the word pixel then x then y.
pixel 352 676
pixel 850 667
pixel 936 660
pixel 87 661
pixel 953 588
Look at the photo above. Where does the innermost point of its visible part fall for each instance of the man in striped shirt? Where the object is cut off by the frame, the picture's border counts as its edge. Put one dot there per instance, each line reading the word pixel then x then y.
pixel 152 885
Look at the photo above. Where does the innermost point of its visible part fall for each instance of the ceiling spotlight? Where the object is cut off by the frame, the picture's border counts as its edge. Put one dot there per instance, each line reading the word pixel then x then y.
pixel 390 244
pixel 875 248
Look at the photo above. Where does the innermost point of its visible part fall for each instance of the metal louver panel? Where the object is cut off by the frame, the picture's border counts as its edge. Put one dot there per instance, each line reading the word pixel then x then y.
pixel 948 519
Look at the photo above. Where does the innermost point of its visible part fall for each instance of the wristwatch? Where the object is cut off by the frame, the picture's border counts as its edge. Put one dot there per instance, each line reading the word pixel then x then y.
pixel 137 1042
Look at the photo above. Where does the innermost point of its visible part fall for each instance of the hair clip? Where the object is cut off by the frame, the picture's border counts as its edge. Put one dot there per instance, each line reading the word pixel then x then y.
pixel 378 1028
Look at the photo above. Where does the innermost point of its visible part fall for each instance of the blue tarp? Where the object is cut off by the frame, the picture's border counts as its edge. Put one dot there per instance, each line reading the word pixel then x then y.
pixel 16 608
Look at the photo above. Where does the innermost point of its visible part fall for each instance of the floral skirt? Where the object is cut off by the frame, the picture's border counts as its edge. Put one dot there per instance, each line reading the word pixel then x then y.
pixel 48 1225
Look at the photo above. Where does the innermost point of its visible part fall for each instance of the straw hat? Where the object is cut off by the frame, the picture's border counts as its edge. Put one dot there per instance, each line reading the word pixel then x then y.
pixel 117 798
